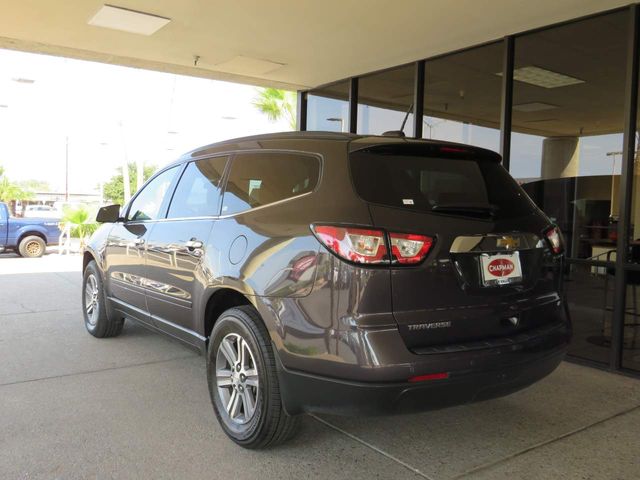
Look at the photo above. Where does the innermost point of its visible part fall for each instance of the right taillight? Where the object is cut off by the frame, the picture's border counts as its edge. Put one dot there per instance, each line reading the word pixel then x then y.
pixel 554 237
pixel 357 245
pixel 409 248
pixel 370 246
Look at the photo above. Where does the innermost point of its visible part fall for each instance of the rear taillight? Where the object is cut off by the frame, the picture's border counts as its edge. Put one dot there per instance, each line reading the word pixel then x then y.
pixel 554 237
pixel 407 248
pixel 369 246
pixel 354 244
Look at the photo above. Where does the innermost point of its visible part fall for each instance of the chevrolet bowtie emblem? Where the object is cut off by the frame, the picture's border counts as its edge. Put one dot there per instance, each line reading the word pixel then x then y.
pixel 508 242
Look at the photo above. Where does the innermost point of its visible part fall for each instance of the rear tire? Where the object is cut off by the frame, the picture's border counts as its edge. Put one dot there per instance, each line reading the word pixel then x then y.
pixel 96 318
pixel 246 400
pixel 32 247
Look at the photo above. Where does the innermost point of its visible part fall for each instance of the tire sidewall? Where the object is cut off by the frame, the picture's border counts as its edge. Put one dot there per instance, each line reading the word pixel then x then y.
pixel 236 321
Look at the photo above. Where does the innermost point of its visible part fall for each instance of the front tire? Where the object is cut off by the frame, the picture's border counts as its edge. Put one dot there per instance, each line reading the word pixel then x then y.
pixel 32 247
pixel 96 318
pixel 243 385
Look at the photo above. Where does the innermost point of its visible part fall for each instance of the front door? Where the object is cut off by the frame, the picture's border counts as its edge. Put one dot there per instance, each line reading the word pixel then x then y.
pixel 125 253
pixel 177 251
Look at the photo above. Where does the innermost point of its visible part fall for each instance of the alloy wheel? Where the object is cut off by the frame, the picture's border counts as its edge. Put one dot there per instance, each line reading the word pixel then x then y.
pixel 91 301
pixel 237 378
pixel 34 249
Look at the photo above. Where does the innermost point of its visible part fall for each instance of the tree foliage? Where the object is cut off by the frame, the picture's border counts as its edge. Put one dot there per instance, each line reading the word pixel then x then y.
pixel 114 188
pixel 80 221
pixel 10 191
pixel 277 104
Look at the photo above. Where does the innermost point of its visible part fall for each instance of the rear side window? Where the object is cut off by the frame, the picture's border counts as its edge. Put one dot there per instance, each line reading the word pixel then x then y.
pixel 463 186
pixel 198 192
pixel 258 179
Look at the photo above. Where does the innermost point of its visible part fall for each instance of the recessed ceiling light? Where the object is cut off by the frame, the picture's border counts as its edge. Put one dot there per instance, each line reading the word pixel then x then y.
pixel 4 105
pixel 541 77
pixel 228 117
pixel 127 20
pixel 534 107
pixel 172 132
pixel 23 80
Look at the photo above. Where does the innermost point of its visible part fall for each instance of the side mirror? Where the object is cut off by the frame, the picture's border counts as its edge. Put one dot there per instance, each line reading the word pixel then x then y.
pixel 109 214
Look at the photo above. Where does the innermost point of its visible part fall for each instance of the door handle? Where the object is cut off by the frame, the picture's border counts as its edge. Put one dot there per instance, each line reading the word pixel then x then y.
pixel 138 241
pixel 193 244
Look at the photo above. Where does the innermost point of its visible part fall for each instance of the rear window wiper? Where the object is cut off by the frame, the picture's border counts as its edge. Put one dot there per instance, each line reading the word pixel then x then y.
pixel 466 208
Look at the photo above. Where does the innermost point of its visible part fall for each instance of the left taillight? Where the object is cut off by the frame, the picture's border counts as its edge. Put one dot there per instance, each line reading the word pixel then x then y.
pixel 371 246
pixel 357 245
pixel 554 237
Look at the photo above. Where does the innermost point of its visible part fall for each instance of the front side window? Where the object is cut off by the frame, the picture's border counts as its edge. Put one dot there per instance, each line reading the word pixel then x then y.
pixel 146 205
pixel 198 192
pixel 258 179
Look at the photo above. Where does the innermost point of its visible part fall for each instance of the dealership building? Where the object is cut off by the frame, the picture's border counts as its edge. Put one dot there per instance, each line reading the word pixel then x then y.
pixel 552 86
pixel 559 103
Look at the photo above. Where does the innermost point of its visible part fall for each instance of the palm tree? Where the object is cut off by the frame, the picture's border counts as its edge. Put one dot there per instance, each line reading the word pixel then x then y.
pixel 277 104
pixel 79 223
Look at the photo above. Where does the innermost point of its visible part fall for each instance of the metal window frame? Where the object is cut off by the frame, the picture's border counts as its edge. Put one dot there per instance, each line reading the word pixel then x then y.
pixel 626 192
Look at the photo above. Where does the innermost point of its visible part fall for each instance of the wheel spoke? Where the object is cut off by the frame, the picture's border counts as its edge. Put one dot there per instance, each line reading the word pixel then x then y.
pixel 249 402
pixel 232 400
pixel 241 347
pixel 223 378
pixel 229 352
pixel 234 410
pixel 252 377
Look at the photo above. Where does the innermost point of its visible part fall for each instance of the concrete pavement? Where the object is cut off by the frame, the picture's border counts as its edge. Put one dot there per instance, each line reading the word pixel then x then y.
pixel 137 406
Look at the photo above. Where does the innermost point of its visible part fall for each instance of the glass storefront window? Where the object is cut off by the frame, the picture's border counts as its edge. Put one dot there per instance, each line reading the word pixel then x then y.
pixel 328 108
pixel 567 123
pixel 385 100
pixel 462 97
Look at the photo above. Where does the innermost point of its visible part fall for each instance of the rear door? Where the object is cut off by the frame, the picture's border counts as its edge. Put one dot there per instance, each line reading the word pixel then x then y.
pixel 178 246
pixel 487 267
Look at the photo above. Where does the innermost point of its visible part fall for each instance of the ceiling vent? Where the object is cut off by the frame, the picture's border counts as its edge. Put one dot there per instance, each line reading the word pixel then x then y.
pixel 241 65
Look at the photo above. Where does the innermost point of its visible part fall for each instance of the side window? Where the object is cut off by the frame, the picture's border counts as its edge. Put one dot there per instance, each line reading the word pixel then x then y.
pixel 198 192
pixel 146 205
pixel 258 179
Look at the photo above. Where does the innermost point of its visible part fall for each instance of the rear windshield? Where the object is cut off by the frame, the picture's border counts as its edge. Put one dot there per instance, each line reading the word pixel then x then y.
pixel 451 186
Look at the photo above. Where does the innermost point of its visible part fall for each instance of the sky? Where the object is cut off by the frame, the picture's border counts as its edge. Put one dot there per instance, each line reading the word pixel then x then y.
pixel 108 114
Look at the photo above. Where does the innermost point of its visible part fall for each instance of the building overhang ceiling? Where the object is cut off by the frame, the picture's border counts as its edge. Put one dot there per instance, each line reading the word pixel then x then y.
pixel 286 43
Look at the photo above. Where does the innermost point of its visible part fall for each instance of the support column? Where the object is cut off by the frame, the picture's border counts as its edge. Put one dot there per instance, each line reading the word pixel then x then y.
pixel 418 99
pixel 353 105
pixel 506 101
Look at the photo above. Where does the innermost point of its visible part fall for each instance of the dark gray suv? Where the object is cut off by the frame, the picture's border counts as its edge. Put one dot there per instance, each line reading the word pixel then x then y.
pixel 336 273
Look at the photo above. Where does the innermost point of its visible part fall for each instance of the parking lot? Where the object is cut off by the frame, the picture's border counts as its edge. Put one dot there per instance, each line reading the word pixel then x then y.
pixel 137 406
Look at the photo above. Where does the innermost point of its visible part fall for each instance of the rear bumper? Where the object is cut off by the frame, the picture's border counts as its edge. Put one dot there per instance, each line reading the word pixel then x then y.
pixel 490 373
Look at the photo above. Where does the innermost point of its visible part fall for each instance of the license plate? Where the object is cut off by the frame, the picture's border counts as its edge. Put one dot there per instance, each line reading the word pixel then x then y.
pixel 500 269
